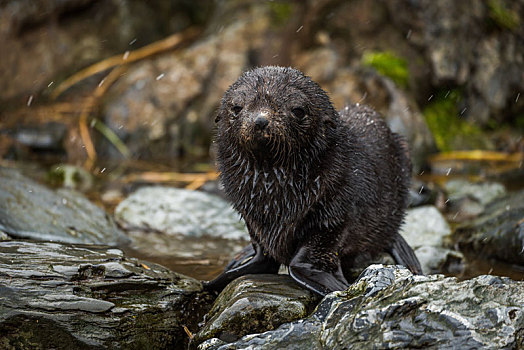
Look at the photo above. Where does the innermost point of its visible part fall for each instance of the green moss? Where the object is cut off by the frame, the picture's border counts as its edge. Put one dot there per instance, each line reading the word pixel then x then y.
pixel 389 65
pixel 502 16
pixel 445 122
pixel 281 12
pixel 71 176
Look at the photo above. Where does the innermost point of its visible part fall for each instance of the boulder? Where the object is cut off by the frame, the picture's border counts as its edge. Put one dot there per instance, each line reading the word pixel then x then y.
pixel 390 308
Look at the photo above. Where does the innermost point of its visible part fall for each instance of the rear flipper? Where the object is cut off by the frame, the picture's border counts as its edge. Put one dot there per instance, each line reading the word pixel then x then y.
pixel 404 255
pixel 248 261
pixel 320 273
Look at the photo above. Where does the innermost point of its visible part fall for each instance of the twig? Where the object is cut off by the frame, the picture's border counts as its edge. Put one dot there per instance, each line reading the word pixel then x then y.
pixel 86 138
pixel 150 176
pixel 90 104
pixel 159 46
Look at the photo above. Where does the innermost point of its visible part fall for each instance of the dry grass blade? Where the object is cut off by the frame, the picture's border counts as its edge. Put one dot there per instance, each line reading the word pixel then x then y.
pixel 188 332
pixel 479 155
pixel 146 51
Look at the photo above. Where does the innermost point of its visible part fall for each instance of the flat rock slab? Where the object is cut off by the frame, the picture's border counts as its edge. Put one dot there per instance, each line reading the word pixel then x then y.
pixel 89 297
pixel 30 210
pixel 389 308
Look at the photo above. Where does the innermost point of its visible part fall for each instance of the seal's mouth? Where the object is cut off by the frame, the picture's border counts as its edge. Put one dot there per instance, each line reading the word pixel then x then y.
pixel 256 138
pixel 262 134
pixel 257 128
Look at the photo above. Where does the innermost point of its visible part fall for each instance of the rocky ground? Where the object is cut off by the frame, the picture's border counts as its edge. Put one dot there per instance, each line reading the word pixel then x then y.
pixel 94 257
pixel 54 294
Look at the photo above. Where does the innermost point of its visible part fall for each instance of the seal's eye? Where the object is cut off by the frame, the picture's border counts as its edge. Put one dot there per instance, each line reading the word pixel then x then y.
pixel 298 112
pixel 236 109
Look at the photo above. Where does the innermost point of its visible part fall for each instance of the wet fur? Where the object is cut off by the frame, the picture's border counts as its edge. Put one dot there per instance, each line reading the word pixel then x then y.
pixel 332 184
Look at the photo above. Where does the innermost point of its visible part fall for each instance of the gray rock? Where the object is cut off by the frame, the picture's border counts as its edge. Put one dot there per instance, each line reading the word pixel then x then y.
pixel 434 259
pixel 390 308
pixel 178 211
pixel 427 232
pixel 498 232
pixel 253 304
pixel 467 200
pixel 30 210
pixel 89 297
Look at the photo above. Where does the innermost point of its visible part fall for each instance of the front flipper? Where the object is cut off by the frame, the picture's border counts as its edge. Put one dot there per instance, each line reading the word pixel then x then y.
pixel 240 266
pixel 318 272
pixel 247 253
pixel 404 255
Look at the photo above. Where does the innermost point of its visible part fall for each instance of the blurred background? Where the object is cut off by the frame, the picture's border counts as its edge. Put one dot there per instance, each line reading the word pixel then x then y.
pixel 108 96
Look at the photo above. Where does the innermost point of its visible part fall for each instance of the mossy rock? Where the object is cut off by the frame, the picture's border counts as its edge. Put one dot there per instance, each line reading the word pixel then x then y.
pixel 502 16
pixel 448 125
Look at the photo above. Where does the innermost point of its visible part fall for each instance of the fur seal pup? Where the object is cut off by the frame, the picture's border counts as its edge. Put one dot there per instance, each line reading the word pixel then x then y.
pixel 317 189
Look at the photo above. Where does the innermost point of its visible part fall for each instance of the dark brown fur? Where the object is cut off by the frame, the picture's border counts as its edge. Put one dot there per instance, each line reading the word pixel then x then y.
pixel 326 186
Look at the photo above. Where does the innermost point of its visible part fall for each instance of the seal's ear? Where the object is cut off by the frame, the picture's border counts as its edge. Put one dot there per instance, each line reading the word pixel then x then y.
pixel 217 118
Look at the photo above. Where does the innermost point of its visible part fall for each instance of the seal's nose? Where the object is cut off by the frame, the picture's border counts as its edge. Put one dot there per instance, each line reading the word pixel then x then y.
pixel 261 121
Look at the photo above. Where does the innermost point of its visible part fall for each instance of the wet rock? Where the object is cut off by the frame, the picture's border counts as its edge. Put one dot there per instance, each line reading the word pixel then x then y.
pixel 498 232
pixel 178 224
pixel 466 44
pixel 390 308
pixel 89 297
pixel 254 304
pixel 30 210
pixel 427 232
pixel 467 200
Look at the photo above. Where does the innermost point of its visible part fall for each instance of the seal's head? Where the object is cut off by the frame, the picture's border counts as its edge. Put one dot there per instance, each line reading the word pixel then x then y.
pixel 271 111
